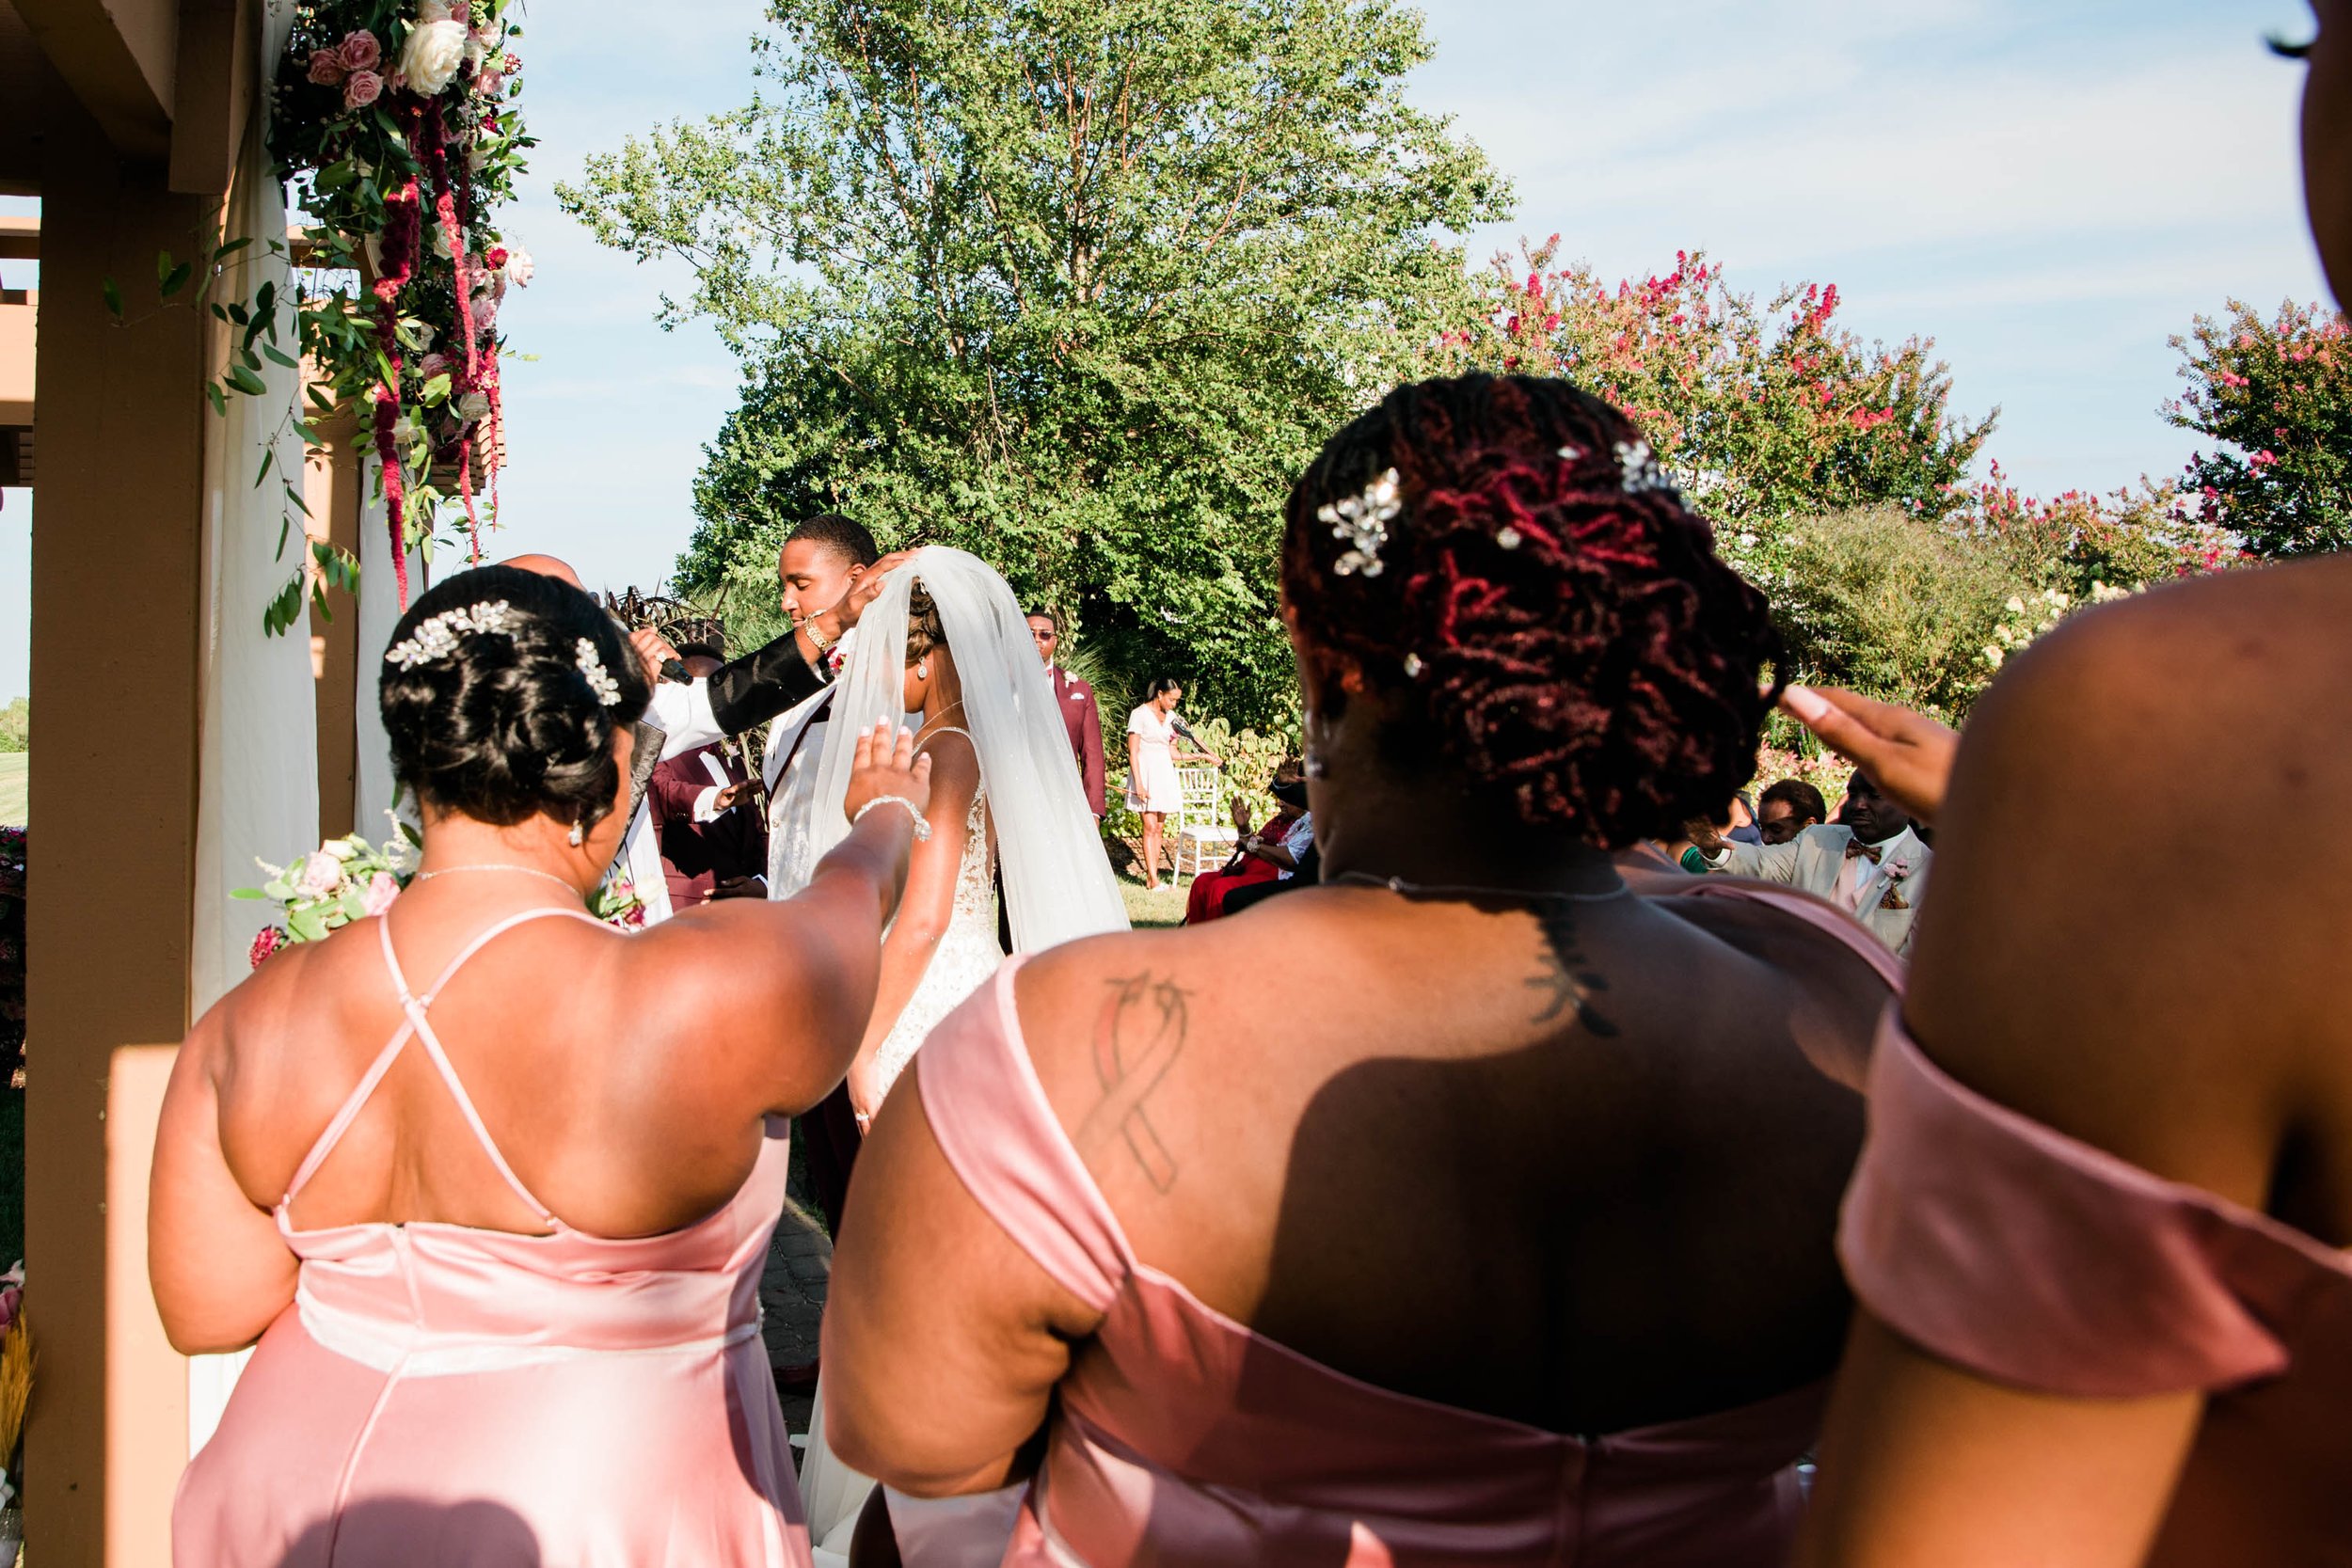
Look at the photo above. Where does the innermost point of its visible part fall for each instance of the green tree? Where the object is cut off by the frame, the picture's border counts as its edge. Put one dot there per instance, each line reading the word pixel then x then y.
pixel 2278 395
pixel 16 725
pixel 1076 284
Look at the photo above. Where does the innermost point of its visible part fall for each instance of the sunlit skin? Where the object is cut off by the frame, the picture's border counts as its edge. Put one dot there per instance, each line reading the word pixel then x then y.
pixel 815 576
pixel 2098 961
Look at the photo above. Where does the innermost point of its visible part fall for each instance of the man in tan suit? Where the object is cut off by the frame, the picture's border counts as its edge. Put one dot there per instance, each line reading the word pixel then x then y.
pixel 1873 865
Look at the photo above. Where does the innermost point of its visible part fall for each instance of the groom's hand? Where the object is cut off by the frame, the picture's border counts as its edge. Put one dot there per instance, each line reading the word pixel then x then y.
pixel 867 589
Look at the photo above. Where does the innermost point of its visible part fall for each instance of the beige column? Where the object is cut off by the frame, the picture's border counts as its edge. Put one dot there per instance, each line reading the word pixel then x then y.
pixel 118 612
pixel 331 486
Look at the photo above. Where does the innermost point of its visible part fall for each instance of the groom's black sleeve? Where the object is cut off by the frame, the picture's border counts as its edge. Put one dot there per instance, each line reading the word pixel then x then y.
pixel 760 685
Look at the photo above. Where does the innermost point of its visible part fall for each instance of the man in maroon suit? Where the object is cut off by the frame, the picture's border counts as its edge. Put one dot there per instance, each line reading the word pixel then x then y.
pixel 714 841
pixel 1080 714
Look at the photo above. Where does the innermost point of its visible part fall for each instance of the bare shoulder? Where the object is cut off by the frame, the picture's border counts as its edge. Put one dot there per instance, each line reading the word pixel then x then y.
pixel 2140 886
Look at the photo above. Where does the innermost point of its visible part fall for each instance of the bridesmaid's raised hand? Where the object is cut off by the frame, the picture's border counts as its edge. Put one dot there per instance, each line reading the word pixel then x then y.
pixel 885 766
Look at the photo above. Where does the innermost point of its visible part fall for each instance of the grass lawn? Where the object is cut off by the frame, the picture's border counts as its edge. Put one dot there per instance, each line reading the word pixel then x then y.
pixel 1163 907
pixel 14 773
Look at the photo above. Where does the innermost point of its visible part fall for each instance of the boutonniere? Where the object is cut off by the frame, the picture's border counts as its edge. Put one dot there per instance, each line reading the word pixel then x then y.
pixel 1897 870
pixel 836 657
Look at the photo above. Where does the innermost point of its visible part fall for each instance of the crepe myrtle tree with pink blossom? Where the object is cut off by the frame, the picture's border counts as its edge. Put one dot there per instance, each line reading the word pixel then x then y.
pixel 2276 397
pixel 1759 413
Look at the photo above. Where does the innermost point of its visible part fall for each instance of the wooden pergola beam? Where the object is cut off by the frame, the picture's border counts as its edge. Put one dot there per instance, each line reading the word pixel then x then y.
pixel 120 58
pixel 218 43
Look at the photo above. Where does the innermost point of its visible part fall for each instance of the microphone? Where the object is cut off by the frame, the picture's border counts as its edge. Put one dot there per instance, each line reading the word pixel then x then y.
pixel 675 672
pixel 1176 723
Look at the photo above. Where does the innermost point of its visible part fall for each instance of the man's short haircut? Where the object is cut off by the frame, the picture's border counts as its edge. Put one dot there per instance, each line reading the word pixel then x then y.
pixel 701 650
pixel 1801 798
pixel 837 534
pixel 1042 614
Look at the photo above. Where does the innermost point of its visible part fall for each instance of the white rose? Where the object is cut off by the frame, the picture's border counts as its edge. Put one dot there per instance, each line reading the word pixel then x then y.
pixel 341 849
pixel 434 51
pixel 520 269
pixel 473 407
pixel 435 10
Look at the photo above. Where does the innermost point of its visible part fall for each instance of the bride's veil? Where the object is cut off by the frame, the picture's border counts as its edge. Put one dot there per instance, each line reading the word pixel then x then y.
pixel 1057 881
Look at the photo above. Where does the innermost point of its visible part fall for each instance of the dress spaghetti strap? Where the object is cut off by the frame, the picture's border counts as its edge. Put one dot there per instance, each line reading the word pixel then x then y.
pixel 416 1025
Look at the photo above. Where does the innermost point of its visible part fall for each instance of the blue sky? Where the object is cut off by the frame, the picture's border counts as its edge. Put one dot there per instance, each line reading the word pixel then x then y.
pixel 2049 191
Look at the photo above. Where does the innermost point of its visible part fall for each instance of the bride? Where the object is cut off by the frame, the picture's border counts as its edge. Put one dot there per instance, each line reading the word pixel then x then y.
pixel 947 640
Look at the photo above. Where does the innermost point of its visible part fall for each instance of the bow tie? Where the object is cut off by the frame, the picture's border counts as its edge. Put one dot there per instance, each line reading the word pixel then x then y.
pixel 1867 852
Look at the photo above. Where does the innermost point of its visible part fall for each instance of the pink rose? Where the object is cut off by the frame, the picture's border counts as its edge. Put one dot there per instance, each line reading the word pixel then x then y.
pixel 363 88
pixel 321 874
pixel 382 889
pixel 327 67
pixel 362 52
pixel 433 365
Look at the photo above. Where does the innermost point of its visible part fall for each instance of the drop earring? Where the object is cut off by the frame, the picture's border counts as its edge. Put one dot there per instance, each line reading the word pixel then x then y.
pixel 579 834
pixel 923 670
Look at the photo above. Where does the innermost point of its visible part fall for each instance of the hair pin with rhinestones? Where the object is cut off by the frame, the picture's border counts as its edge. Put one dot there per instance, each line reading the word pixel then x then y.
pixel 599 679
pixel 436 636
pixel 1363 521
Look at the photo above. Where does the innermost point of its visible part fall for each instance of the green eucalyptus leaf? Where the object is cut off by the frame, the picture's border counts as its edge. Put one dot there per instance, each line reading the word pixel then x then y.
pixel 245 381
pixel 177 279
pixel 113 295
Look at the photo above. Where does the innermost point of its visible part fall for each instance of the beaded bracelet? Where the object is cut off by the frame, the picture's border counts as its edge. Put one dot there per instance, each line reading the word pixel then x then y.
pixel 922 827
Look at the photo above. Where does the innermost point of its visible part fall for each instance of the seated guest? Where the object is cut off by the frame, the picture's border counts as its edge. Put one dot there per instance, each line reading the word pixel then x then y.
pixel 1790 807
pixel 1267 855
pixel 491 1183
pixel 1873 865
pixel 1133 1216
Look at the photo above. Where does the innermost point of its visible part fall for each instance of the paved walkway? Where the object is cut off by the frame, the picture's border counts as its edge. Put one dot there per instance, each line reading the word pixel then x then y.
pixel 792 1293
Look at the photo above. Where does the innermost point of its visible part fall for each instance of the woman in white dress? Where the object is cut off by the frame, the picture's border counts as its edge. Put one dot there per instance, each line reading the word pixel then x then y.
pixel 1153 788
pixel 947 640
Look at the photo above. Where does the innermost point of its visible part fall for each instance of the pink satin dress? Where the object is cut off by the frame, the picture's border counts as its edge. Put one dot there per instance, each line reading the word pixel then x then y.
pixel 440 1395
pixel 2022 1255
pixel 1182 1440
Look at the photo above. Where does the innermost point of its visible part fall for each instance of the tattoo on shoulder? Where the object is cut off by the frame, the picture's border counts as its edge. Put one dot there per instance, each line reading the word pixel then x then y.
pixel 1563 982
pixel 1137 1037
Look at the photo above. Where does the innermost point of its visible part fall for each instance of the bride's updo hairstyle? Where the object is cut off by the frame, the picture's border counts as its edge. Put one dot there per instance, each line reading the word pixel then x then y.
pixel 1506 563
pixel 496 710
pixel 925 632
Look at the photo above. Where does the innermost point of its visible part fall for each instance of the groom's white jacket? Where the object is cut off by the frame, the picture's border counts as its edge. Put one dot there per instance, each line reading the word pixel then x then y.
pixel 1816 860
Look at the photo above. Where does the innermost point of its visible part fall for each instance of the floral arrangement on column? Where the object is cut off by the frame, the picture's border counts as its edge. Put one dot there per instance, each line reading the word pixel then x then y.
pixel 396 122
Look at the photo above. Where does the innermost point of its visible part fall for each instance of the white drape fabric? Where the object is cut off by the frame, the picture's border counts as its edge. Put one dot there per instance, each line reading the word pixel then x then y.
pixel 258 788
pixel 1057 881
pixel 258 793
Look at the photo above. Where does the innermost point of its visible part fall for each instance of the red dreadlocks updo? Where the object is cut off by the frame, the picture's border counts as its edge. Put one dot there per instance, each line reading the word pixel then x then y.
pixel 1558 613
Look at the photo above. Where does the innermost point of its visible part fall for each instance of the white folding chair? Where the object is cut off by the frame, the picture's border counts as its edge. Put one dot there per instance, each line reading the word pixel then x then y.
pixel 1204 836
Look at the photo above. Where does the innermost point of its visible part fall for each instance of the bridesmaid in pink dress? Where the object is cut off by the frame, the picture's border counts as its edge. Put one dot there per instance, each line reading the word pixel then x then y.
pixel 1494 1227
pixel 2100 1229
pixel 492 1183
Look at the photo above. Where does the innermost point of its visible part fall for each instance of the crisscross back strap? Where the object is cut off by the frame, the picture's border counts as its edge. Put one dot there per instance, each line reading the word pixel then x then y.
pixel 415 1024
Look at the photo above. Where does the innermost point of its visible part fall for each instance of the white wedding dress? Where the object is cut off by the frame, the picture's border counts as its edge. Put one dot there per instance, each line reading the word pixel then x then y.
pixel 966 956
pixel 1057 884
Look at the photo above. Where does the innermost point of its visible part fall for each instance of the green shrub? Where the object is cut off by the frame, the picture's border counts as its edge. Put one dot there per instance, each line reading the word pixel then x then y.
pixel 1893 606
pixel 16 725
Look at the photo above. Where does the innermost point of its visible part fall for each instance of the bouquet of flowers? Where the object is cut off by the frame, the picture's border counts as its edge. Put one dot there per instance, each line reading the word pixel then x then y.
pixel 348 879
pixel 343 880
